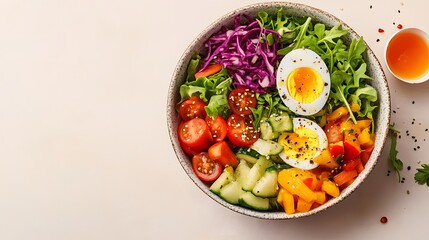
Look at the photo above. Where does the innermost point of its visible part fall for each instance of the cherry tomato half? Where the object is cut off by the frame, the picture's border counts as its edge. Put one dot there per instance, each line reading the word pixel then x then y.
pixel 241 99
pixel 218 128
pixel 241 131
pixel 205 168
pixel 223 154
pixel 188 150
pixel 195 134
pixel 192 107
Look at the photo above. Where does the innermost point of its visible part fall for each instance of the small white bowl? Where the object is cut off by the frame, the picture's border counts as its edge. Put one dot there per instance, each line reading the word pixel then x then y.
pixel 425 37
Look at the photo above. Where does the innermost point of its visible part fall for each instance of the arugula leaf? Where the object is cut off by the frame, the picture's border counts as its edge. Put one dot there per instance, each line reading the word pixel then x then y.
pixel 258 114
pixel 319 30
pixel 394 161
pixel 301 34
pixel 359 74
pixel 365 93
pixel 332 34
pixel 422 175
pixel 339 91
pixel 268 104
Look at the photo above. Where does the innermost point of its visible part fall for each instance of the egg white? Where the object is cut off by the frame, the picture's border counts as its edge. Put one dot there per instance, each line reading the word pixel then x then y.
pixel 307 164
pixel 296 59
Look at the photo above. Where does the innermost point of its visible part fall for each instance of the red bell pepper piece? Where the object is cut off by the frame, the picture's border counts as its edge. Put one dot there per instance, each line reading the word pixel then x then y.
pixel 336 149
pixel 344 177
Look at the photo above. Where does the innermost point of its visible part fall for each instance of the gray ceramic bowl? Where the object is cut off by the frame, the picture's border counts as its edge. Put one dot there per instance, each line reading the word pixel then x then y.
pixel 292 9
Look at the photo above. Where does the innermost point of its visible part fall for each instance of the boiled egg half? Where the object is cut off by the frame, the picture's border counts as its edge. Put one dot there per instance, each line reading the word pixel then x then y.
pixel 305 143
pixel 303 81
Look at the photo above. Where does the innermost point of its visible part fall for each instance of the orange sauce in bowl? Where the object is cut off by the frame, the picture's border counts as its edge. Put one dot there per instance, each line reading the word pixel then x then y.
pixel 408 55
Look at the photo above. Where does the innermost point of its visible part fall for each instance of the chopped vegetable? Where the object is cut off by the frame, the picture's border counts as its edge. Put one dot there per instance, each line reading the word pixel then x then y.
pixel 222 153
pixel 206 168
pixel 248 51
pixel 210 70
pixel 344 177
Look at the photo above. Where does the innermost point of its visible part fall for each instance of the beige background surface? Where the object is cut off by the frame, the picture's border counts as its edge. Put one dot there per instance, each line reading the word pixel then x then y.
pixel 84 147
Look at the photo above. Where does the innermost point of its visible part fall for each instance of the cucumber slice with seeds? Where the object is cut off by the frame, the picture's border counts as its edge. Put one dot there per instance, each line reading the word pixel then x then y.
pixel 266 186
pixel 281 123
pixel 267 132
pixel 255 173
pixel 224 179
pixel 231 192
pixel 242 171
pixel 249 200
pixel 267 147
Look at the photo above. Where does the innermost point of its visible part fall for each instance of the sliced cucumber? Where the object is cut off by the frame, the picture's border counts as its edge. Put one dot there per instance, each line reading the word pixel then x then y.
pixel 231 192
pixel 266 186
pixel 249 200
pixel 242 171
pixel 267 132
pixel 267 147
pixel 255 173
pixel 281 123
pixel 224 179
pixel 248 154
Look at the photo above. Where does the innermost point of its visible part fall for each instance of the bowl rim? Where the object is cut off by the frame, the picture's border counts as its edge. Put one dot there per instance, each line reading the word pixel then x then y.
pixel 278 215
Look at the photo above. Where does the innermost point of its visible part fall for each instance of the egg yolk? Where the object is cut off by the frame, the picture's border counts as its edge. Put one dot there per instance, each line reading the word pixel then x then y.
pixel 302 144
pixel 305 84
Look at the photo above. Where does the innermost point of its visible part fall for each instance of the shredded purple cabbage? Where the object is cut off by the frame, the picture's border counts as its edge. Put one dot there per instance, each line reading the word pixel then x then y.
pixel 250 61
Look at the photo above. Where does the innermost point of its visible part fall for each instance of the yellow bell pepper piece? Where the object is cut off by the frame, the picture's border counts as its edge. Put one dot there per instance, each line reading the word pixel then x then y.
pixel 303 206
pixel 280 195
pixel 363 123
pixel 325 159
pixel 321 197
pixel 330 188
pixel 365 138
pixel 287 201
pixel 337 113
pixel 291 180
pixel 354 107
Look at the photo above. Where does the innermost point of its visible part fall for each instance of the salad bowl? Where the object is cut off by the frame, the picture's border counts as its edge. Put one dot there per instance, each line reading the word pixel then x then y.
pixel 374 71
